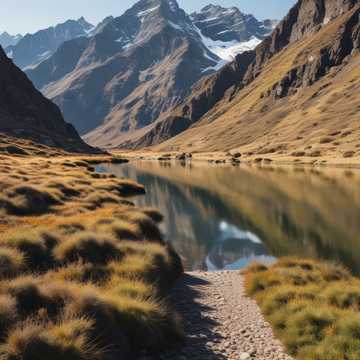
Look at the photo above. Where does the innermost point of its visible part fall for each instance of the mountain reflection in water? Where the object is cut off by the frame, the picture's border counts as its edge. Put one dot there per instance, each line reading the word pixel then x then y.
pixel 223 217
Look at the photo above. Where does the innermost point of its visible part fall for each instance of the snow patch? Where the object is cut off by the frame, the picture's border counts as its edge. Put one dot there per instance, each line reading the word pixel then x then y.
pixel 147 12
pixel 229 50
pixel 226 50
pixel 45 55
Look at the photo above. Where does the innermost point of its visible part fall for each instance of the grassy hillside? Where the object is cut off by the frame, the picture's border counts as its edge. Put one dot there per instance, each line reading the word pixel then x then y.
pixel 83 273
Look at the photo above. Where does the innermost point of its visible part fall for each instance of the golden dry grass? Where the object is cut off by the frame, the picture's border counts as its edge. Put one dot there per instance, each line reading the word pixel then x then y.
pixel 83 271
pixel 313 307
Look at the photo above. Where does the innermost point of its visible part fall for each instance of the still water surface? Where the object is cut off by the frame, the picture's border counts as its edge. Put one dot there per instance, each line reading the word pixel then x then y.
pixel 223 217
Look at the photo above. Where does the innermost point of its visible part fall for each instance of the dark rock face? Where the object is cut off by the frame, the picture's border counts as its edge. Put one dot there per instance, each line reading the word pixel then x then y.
pixel 138 67
pixel 230 24
pixel 101 25
pixel 318 66
pixel 305 19
pixel 34 48
pixel 7 40
pixel 205 96
pixel 61 63
pixel 26 113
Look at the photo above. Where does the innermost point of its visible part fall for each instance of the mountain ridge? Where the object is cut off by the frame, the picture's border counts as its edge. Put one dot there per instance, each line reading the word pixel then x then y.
pixel 297 97
pixel 34 48
pixel 303 21
pixel 135 88
pixel 7 39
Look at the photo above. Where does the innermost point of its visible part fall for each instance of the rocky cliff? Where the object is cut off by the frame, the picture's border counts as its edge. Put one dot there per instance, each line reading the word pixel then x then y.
pixel 26 113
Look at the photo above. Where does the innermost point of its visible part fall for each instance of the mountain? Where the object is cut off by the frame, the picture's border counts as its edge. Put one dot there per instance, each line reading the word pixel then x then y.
pixel 116 85
pixel 228 32
pixel 26 113
pixel 99 27
pixel 295 95
pixel 34 48
pixel 132 72
pixel 6 39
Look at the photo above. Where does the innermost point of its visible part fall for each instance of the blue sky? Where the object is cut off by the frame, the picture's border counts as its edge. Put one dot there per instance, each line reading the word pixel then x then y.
pixel 31 15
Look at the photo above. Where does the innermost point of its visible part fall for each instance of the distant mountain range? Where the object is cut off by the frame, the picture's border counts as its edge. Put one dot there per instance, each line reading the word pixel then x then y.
pixel 32 49
pixel 6 39
pixel 117 80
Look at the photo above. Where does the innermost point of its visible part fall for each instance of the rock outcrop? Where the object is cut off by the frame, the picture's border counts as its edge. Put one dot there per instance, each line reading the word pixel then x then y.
pixel 230 24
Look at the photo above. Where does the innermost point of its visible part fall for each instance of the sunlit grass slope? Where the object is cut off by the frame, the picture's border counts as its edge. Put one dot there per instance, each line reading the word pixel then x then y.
pixel 83 273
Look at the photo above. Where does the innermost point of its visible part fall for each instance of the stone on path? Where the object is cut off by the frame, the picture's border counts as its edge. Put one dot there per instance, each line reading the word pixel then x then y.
pixel 245 356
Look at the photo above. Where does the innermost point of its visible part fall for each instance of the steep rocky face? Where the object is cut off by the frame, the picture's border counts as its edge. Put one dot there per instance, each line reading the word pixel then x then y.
pixel 34 48
pixel 6 39
pixel 304 21
pixel 26 113
pixel 229 24
pixel 306 18
pixel 136 69
pixel 204 96
pixel 61 63
pixel 228 32
pixel 100 27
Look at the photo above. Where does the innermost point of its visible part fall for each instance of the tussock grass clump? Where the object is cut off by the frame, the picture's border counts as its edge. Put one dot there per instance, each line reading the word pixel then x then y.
pixel 30 200
pixel 313 307
pixel 69 339
pixel 148 228
pixel 88 248
pixel 11 262
pixel 154 214
pixel 33 249
pixel 8 314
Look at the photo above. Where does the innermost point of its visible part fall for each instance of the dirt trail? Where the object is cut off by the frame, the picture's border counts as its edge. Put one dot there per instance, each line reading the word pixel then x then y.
pixel 221 322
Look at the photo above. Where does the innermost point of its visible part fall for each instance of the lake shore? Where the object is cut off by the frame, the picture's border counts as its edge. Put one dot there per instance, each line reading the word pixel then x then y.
pixel 237 157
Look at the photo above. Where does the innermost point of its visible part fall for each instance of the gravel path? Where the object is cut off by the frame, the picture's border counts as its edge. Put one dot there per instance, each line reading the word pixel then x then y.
pixel 221 322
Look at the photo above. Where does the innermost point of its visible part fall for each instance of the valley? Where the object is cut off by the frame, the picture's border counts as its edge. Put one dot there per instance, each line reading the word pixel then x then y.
pixel 180 181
